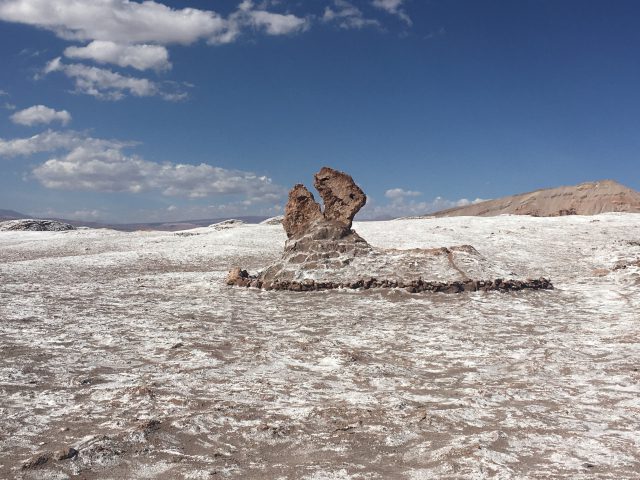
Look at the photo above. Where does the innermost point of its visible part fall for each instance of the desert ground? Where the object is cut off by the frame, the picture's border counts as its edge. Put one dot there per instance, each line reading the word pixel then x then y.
pixel 127 353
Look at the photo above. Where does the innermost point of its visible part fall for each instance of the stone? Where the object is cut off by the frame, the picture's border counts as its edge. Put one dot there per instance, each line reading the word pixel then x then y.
pixel 37 461
pixel 301 212
pixel 237 276
pixel 341 196
pixel 66 453
pixel 34 225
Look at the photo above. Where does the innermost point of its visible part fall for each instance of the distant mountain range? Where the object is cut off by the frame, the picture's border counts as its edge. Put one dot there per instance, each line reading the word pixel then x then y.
pixel 130 227
pixel 11 215
pixel 588 198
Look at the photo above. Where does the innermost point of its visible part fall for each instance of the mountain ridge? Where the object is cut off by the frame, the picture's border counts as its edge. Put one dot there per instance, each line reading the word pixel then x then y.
pixel 587 198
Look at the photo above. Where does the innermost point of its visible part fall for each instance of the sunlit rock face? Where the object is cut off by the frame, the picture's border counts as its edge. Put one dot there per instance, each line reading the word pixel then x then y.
pixel 319 241
pixel 323 252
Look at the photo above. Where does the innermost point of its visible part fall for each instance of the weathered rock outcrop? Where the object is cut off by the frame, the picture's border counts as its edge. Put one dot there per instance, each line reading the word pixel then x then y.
pixel 341 196
pixel 33 225
pixel 301 212
pixel 342 199
pixel 320 240
pixel 323 252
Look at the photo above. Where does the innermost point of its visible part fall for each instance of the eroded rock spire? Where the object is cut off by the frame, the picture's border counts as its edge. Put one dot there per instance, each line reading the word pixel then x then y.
pixel 342 200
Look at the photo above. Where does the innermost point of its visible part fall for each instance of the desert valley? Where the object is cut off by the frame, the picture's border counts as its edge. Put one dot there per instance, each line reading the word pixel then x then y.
pixel 319 240
pixel 127 355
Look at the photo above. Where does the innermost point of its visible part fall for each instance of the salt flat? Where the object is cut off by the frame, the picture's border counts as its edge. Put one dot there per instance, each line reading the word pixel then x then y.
pixel 129 348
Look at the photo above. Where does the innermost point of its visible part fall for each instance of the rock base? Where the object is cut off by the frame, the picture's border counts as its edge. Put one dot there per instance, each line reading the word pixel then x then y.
pixel 241 278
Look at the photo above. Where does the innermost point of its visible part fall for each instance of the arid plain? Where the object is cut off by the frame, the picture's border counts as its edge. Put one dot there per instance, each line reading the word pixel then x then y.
pixel 128 353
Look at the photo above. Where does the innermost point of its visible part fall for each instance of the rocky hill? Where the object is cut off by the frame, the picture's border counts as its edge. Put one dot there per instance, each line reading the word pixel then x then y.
pixel 588 198
pixel 35 225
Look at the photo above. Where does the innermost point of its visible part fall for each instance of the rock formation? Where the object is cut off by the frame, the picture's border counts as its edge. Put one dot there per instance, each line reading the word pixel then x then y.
pixel 341 196
pixel 323 252
pixel 342 199
pixel 301 212
pixel 35 225
pixel 320 240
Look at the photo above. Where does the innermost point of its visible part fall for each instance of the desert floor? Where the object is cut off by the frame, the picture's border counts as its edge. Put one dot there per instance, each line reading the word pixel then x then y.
pixel 129 348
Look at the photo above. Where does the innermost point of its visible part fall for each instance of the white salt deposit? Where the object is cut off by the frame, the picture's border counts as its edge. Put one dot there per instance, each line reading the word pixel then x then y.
pixel 130 348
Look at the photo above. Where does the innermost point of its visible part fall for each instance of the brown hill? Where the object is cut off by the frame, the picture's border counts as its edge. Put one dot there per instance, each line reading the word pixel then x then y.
pixel 588 198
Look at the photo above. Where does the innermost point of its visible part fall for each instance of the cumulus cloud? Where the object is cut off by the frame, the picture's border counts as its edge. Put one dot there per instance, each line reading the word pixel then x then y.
pixel 271 23
pixel 108 85
pixel 126 22
pixel 277 24
pixel 51 141
pixel 121 21
pixel 110 170
pixel 94 164
pixel 135 34
pixel 40 114
pixel 101 165
pixel 463 202
pixel 140 57
pixel 347 16
pixel 403 203
pixel 394 8
pixel 397 194
pixel 3 93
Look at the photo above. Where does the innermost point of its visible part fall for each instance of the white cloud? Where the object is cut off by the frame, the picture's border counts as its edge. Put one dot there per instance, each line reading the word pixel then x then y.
pixel 96 164
pixel 51 141
pixel 127 22
pixel 402 205
pixel 140 57
pixel 463 202
pixel 277 24
pixel 348 16
pixel 9 106
pixel 3 93
pixel 121 21
pixel 135 34
pixel 40 114
pixel 271 23
pixel 394 8
pixel 108 85
pixel 399 193
pixel 110 170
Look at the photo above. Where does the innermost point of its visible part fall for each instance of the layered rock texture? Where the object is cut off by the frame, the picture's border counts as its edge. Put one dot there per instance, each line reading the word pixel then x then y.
pixel 323 252
pixel 589 198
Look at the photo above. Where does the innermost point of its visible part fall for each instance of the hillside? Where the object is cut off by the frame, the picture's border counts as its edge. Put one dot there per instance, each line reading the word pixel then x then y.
pixel 589 198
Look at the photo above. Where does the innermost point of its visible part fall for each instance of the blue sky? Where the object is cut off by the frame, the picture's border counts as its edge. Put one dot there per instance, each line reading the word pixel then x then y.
pixel 125 111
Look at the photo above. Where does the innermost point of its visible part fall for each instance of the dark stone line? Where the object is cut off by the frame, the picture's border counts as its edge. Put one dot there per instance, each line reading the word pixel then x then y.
pixel 241 278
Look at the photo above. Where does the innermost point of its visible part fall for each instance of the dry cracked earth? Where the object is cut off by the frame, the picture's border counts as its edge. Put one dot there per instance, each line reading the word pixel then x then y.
pixel 124 355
